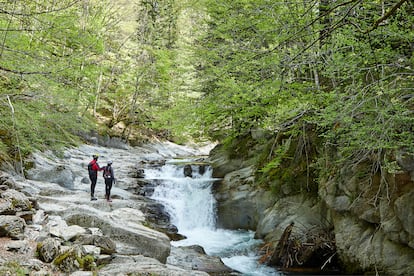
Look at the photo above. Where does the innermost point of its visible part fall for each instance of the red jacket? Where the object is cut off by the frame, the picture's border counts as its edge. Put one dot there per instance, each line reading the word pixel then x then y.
pixel 95 166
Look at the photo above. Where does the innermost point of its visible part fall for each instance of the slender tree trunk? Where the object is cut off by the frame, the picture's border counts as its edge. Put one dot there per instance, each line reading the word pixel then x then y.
pixel 98 91
pixel 17 136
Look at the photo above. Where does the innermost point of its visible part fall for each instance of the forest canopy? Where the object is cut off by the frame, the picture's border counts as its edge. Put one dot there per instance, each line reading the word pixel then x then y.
pixel 215 69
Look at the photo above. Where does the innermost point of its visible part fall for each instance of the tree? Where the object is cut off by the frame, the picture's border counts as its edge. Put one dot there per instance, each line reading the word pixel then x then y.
pixel 50 60
pixel 344 67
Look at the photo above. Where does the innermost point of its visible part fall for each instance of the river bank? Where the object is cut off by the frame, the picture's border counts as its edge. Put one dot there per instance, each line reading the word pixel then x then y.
pixel 356 219
pixel 56 229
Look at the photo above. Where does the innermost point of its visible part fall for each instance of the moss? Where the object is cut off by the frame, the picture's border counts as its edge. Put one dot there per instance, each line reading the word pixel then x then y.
pixel 13 268
pixel 288 166
pixel 59 259
pixel 38 247
pixel 87 262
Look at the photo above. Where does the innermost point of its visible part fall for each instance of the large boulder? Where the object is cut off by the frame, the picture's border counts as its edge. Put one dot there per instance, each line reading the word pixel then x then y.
pixel 58 174
pixel 47 167
pixel 12 226
pixel 141 265
pixel 48 249
pixel 12 201
pixel 222 164
pixel 195 258
pixel 373 217
pixel 404 210
pixel 125 227
pixel 303 211
pixel 57 227
pixel 240 205
pixel 69 259
pixel 106 245
pixel 364 246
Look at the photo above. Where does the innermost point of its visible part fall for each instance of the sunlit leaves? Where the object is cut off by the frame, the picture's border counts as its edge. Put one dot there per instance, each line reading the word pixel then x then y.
pixel 266 62
pixel 54 51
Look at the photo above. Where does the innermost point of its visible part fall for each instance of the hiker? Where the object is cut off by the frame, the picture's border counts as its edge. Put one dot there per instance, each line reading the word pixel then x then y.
pixel 109 177
pixel 93 168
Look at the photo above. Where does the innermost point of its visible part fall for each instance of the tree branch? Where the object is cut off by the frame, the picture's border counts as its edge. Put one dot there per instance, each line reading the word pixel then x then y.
pixel 391 12
pixel 41 12
pixel 24 72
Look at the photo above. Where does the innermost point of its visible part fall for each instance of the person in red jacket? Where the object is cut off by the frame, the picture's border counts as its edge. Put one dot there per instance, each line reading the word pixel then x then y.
pixel 93 168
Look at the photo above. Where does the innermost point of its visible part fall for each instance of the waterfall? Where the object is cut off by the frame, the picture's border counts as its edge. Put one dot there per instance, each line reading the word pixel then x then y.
pixel 192 207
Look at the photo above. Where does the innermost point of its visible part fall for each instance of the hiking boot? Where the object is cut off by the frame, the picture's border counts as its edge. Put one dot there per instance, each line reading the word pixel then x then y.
pixel 93 198
pixel 109 199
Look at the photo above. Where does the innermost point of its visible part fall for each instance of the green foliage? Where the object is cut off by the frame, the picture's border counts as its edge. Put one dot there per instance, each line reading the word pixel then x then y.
pixel 216 68
pixel 49 66
pixel 344 68
pixel 87 262
pixel 13 268
pixel 280 154
pixel 246 83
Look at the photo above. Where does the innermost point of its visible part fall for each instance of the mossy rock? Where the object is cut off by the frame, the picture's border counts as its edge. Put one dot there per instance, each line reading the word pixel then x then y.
pixel 68 261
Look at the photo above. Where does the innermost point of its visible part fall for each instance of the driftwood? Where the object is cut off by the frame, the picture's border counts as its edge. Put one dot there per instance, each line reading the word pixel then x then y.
pixel 280 256
pixel 316 250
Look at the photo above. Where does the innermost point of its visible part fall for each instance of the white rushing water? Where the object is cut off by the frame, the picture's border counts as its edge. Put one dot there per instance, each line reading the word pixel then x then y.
pixel 191 205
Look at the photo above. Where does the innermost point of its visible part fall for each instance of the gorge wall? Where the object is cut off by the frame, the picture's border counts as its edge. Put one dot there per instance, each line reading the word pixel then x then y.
pixel 365 211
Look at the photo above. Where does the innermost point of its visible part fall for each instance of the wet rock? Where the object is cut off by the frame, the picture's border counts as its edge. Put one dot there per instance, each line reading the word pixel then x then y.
pixel 144 187
pixel 195 258
pixel 159 219
pixel 202 169
pixel 140 173
pixel 240 204
pixel 188 171
pixel 12 226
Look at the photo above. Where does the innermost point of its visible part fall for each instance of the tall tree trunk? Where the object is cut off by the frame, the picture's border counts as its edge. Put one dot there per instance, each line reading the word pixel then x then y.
pixel 98 91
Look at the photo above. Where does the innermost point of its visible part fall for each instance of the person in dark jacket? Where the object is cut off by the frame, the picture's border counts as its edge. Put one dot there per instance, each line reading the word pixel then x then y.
pixel 93 168
pixel 109 177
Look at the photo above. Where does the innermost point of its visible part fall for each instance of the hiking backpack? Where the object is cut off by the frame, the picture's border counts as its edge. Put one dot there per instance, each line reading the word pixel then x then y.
pixel 92 173
pixel 107 172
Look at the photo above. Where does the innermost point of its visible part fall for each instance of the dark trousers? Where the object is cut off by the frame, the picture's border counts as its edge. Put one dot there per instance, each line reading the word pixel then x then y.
pixel 108 187
pixel 93 179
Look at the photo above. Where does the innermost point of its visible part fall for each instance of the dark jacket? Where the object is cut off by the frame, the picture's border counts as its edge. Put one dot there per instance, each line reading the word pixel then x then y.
pixel 108 172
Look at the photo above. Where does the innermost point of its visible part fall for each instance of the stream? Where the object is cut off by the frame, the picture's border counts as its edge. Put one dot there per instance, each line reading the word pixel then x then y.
pixel 192 207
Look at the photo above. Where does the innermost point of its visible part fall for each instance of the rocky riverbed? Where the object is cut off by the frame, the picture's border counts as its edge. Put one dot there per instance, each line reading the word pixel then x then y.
pixel 49 226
